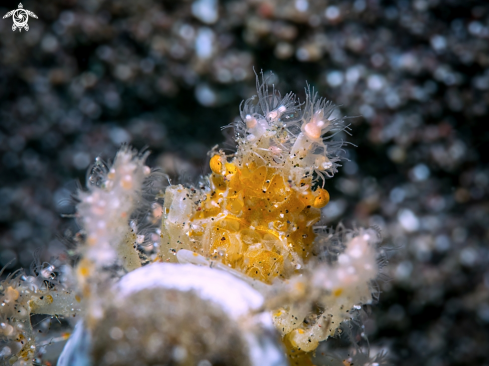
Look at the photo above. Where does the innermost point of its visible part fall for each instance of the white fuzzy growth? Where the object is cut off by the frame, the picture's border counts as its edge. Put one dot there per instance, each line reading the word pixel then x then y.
pixel 348 283
pixel 277 113
pixel 257 126
pixel 106 208
pixel 177 211
pixel 286 320
pixel 181 208
pixel 302 147
pixel 309 149
pixel 337 289
pixel 281 132
pixel 64 303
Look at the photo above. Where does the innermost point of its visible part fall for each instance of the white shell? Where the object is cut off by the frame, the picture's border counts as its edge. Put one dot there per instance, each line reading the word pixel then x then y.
pixel 235 296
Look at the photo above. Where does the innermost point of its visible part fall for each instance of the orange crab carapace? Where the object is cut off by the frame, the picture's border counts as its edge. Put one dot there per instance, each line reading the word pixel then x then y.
pixel 254 221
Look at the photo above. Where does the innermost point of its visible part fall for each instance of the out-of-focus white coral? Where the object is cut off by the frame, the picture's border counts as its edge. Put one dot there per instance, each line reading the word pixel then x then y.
pixel 104 210
pixel 249 329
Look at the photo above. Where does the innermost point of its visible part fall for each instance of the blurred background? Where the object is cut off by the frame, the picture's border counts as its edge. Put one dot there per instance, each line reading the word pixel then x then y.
pixel 412 76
